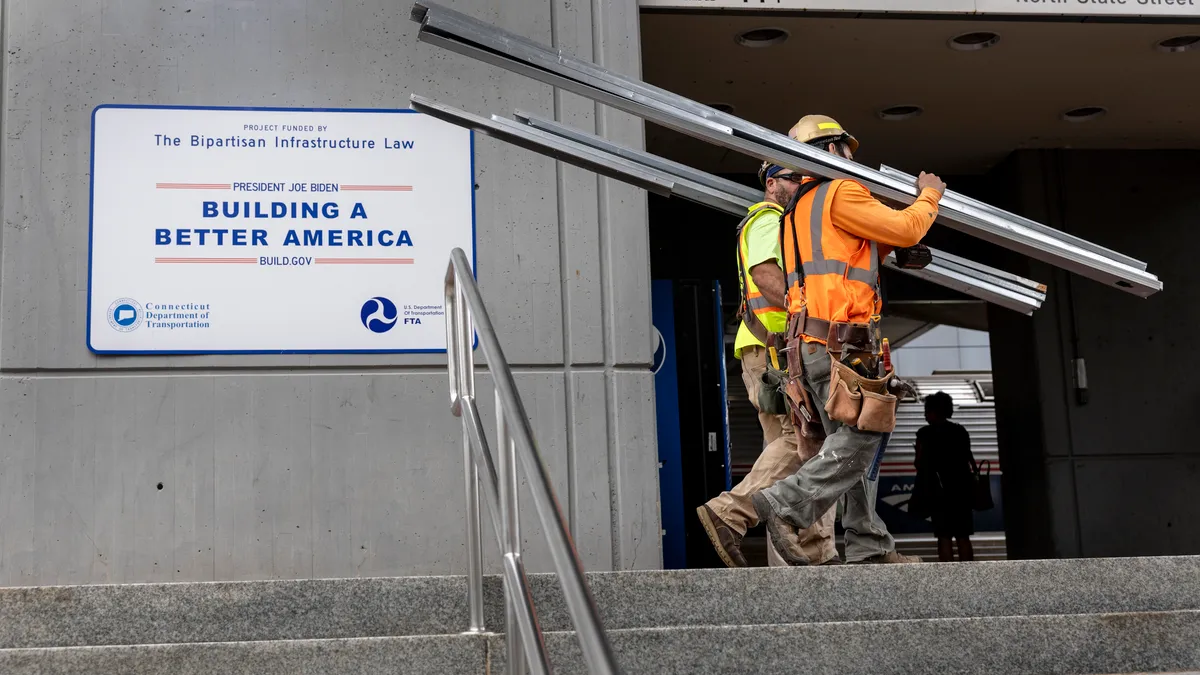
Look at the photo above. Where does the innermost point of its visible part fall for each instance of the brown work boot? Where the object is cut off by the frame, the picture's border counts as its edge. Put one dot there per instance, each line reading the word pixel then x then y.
pixel 889 557
pixel 792 543
pixel 781 531
pixel 727 541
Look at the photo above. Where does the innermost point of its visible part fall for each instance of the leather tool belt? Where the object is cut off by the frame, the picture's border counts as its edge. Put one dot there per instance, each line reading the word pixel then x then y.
pixel 842 336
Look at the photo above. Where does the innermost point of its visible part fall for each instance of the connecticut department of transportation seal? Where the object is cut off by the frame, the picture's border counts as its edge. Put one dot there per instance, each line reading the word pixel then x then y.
pixel 125 315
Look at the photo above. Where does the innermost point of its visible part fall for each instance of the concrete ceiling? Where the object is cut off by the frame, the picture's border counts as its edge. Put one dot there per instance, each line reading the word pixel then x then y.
pixel 978 106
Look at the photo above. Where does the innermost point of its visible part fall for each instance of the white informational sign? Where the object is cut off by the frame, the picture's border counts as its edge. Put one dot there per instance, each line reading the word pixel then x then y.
pixel 263 230
pixel 1130 8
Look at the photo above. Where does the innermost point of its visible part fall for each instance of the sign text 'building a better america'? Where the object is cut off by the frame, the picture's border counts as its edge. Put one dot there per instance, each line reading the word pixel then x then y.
pixel 219 230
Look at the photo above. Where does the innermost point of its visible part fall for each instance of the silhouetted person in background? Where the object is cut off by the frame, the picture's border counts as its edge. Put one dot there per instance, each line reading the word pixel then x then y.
pixel 946 473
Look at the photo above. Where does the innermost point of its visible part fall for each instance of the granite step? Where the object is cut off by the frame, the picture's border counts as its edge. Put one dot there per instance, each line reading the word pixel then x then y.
pixel 876 592
pixel 214 612
pixel 1154 642
pixel 409 655
pixel 1151 642
pixel 65 616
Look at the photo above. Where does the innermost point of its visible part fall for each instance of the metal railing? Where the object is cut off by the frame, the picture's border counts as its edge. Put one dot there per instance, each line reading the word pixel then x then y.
pixel 514 442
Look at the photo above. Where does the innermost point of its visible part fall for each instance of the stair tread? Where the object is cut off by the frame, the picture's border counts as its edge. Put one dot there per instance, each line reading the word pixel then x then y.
pixel 345 608
pixel 1131 642
pixel 1014 645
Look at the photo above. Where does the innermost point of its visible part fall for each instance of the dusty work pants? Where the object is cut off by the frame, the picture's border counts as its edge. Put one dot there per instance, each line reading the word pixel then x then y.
pixel 840 468
pixel 780 458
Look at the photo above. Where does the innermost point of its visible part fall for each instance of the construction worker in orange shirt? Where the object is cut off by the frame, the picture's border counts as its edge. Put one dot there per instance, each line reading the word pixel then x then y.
pixel 763 313
pixel 834 237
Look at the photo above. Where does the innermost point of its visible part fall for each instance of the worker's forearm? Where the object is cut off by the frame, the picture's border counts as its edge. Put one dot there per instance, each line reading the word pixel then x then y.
pixel 771 283
pixel 857 212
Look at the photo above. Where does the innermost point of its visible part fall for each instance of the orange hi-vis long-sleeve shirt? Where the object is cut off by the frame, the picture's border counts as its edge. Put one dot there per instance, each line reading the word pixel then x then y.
pixel 839 281
pixel 855 211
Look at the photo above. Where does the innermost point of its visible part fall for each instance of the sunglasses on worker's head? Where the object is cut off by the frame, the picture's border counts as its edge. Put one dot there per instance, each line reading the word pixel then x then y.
pixel 794 177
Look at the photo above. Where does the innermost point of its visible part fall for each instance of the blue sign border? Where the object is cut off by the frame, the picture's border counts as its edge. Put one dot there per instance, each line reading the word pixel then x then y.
pixel 91 193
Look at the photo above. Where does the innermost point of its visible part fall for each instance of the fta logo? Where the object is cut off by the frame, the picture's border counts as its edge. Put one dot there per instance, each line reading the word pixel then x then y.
pixel 378 314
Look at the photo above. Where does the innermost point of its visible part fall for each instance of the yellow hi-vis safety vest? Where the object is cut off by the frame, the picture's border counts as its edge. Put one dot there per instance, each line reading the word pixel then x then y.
pixel 762 214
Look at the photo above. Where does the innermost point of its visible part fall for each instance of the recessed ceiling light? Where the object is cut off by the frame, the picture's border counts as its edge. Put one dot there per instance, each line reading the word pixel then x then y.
pixel 1180 43
pixel 762 37
pixel 970 42
pixel 1085 114
pixel 722 107
pixel 900 112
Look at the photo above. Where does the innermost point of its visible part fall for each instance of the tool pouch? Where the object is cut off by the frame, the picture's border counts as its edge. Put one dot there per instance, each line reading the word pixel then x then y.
pixel 861 402
pixel 855 337
pixel 802 411
pixel 771 397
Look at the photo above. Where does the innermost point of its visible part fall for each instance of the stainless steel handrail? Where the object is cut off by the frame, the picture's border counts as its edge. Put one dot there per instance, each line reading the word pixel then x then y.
pixel 514 441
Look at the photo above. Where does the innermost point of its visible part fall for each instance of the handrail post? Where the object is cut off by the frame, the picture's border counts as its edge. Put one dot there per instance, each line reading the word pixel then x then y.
pixel 461 365
pixel 525 644
pixel 510 520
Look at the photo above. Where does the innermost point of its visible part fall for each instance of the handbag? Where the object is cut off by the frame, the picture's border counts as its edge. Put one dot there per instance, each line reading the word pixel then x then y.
pixel 982 499
pixel 919 503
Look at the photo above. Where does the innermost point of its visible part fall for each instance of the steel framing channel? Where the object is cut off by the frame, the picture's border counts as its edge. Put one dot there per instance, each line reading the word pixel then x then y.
pixel 1017 279
pixel 974 279
pixel 1031 224
pixel 681 187
pixel 549 145
pixel 992 278
pixel 964 282
pixel 643 158
pixel 583 150
pixel 463 34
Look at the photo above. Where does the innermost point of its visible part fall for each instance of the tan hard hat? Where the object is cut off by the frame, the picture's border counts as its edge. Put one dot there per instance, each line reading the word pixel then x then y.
pixel 812 127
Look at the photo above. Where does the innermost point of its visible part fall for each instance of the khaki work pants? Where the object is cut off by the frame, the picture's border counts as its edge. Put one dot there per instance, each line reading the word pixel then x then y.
pixel 779 459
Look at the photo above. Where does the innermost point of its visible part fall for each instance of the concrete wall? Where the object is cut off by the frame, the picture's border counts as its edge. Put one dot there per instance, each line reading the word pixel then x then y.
pixel 1114 474
pixel 296 466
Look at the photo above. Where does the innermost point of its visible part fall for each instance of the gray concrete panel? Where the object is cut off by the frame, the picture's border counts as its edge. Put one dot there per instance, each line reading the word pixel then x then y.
pixel 1121 464
pixel 545 404
pixel 578 212
pixel 269 477
pixel 291 466
pixel 1138 505
pixel 18 450
pixel 63 494
pixel 634 458
pixel 625 248
pixel 1061 515
pixel 592 513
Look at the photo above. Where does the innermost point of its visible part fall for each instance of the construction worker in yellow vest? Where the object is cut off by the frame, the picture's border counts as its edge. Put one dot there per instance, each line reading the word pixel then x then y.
pixel 835 234
pixel 764 316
